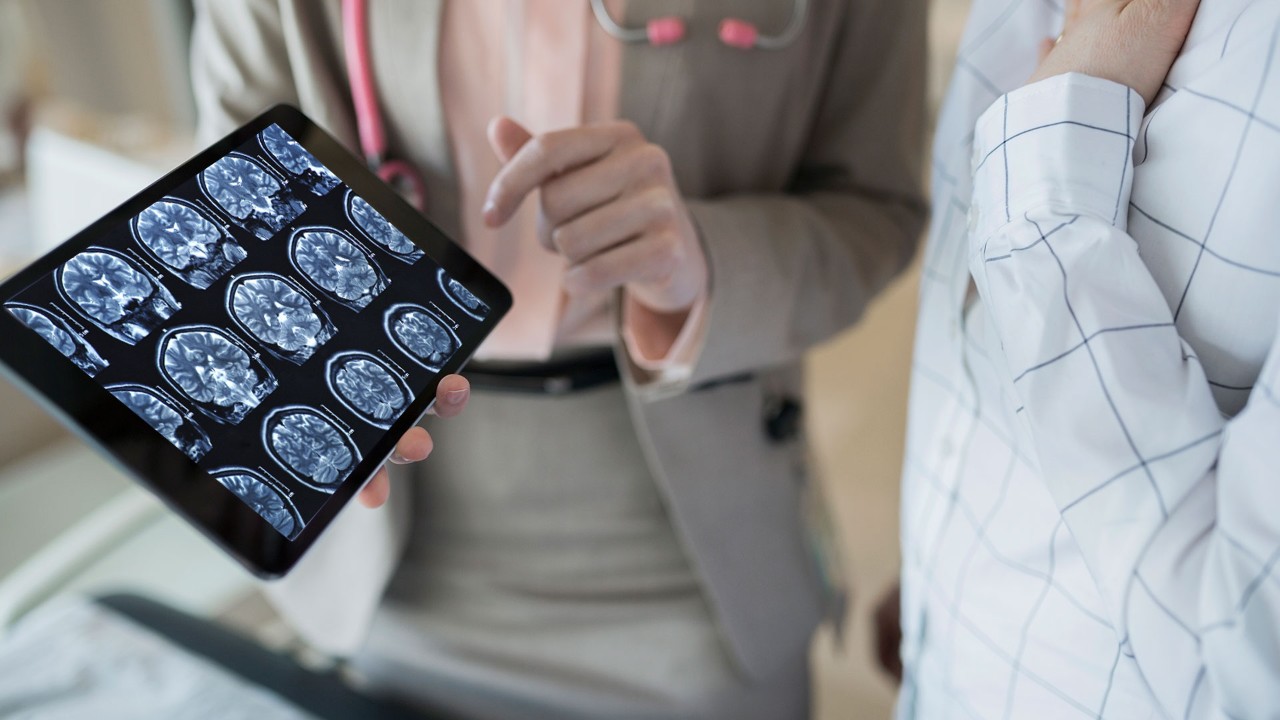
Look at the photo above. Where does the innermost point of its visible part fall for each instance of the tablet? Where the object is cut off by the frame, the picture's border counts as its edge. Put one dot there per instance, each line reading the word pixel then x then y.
pixel 251 335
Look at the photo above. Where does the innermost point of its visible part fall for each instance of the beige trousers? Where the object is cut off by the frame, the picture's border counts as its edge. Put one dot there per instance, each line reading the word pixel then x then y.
pixel 544 579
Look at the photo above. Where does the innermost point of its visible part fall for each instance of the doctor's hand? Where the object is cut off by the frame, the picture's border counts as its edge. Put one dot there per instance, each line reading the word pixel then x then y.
pixel 609 205
pixel 1132 42
pixel 415 445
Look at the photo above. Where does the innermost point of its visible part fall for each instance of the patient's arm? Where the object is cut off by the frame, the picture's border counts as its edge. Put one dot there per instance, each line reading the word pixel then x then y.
pixel 1173 506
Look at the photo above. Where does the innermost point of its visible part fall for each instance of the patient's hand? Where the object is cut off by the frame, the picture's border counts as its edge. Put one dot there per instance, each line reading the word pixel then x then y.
pixel 415 446
pixel 1132 42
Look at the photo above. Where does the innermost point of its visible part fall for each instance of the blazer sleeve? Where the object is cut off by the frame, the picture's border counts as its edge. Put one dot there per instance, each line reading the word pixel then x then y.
pixel 239 64
pixel 791 269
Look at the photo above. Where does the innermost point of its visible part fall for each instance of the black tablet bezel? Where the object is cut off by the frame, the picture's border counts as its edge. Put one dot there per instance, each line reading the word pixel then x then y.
pixel 180 483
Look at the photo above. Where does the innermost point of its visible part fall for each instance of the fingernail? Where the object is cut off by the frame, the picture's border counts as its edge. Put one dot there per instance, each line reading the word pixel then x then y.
pixel 456 397
pixel 398 459
pixel 490 209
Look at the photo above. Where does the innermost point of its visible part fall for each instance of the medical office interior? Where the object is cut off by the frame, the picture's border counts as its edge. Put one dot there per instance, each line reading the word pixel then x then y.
pixel 95 103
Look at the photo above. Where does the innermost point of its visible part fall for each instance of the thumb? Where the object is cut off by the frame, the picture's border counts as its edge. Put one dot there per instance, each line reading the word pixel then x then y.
pixel 506 137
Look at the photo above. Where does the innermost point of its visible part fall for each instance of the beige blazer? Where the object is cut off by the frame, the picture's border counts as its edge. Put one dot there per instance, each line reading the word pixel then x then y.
pixel 801 169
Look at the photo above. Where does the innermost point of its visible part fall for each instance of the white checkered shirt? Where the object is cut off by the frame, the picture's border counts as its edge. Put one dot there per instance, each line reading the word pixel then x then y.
pixel 1091 498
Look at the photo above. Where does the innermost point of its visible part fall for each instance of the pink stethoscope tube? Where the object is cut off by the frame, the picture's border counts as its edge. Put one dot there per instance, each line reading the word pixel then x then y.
pixel 364 95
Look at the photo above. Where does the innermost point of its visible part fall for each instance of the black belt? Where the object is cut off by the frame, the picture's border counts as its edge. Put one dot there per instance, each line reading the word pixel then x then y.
pixel 559 376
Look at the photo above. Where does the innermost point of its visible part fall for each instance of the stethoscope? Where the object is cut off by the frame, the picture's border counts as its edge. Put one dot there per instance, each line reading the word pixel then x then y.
pixel 734 32
pixel 658 32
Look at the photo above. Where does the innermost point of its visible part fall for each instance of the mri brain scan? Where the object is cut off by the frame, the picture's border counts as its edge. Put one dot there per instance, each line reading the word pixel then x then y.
pixel 165 419
pixel 275 311
pixel 422 335
pixel 310 446
pixel 294 158
pixel 253 195
pixel 186 241
pixel 216 371
pixel 378 229
pixel 338 266
pixel 57 333
pixel 461 296
pixel 368 387
pixel 254 490
pixel 115 294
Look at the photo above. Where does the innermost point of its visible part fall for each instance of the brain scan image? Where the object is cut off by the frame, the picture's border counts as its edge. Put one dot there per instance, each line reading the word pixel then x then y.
pixel 254 490
pixel 338 266
pixel 310 446
pixel 115 294
pixel 461 296
pixel 276 312
pixel 368 387
pixel 57 333
pixel 216 371
pixel 316 178
pixel 188 243
pixel 422 335
pixel 165 419
pixel 380 230
pixel 253 195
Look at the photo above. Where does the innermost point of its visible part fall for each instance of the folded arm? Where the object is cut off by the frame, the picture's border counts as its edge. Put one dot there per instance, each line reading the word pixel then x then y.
pixel 1172 506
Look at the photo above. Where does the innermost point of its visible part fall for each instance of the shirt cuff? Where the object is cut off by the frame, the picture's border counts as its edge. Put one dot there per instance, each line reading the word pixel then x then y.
pixel 678 363
pixel 1064 144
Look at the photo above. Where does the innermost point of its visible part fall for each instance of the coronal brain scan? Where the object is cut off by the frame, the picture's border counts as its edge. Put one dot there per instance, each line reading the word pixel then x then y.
pixel 461 296
pixel 265 500
pixel 165 419
pixel 310 446
pixel 187 242
pixel 422 335
pixel 216 371
pixel 251 194
pixel 380 230
pixel 57 333
pixel 338 266
pixel 294 158
pixel 275 311
pixel 368 387
pixel 115 294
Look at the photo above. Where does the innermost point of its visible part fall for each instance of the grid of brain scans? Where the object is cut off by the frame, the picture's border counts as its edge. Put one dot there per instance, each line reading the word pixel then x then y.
pixel 263 318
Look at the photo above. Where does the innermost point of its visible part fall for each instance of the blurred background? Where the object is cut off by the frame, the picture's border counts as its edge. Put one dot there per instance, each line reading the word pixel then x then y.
pixel 95 103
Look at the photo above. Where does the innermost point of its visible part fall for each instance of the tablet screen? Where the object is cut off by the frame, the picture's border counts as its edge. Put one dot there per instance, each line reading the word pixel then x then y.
pixel 263 318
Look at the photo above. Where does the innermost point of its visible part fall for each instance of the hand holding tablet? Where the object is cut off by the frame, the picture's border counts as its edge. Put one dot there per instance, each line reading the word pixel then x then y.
pixel 254 335
pixel 451 398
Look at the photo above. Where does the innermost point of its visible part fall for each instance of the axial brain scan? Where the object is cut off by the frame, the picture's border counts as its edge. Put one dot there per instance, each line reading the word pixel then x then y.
pixel 293 157
pixel 422 335
pixel 380 230
pixel 461 296
pixel 56 332
pixel 251 194
pixel 254 491
pixel 274 310
pixel 310 446
pixel 116 295
pixel 165 419
pixel 215 371
pixel 338 266
pixel 190 244
pixel 368 387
